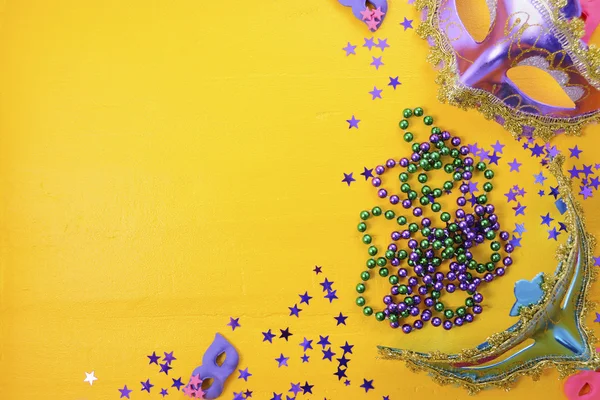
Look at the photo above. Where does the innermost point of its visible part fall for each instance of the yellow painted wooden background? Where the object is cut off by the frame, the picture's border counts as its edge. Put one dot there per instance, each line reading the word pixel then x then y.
pixel 165 165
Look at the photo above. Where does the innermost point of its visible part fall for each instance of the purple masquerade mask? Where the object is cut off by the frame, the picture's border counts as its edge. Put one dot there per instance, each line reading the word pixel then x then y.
pixel 372 16
pixel 210 368
pixel 531 33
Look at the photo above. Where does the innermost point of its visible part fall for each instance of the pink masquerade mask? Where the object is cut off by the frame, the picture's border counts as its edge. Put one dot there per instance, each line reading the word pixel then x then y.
pixel 531 33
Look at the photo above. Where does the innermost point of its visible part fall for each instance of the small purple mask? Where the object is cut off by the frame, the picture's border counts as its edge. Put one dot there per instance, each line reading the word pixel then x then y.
pixel 522 32
pixel 210 369
pixel 372 16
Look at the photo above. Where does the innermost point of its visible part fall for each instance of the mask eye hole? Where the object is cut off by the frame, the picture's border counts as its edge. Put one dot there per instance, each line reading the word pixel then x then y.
pixel 540 86
pixel 221 359
pixel 370 5
pixel 206 384
pixel 586 389
pixel 476 16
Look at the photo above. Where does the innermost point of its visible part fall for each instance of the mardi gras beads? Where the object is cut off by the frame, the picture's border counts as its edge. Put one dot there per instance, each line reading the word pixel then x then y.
pixel 418 249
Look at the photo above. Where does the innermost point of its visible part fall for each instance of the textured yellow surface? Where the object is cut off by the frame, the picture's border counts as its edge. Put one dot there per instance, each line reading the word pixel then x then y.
pixel 167 165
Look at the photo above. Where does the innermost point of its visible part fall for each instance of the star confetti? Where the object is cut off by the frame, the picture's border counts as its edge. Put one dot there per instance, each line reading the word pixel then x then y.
pixel 153 358
pixel 177 383
pixel 331 295
pixel 375 93
pixel 368 173
pixel 377 62
pixel 282 361
pixel 306 344
pixel 295 311
pixel 234 323
pixel 367 385
pixel 125 392
pixel 382 44
pixel 244 374
pixel 285 334
pixel 349 49
pixel 307 388
pixel 147 385
pixel 323 341
pixel 575 152
pixel 394 82
pixel 515 165
pixel 90 378
pixel 353 122
pixel 268 336
pixel 341 319
pixel 304 298
pixel 348 178
pixel 407 24
pixel 369 43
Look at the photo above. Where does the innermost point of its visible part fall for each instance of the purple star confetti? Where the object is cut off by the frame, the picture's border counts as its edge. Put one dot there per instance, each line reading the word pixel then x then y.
pixel 306 344
pixel 377 62
pixel 164 392
pixel 331 295
pixel 146 385
pixel 367 385
pixel 575 152
pixel 307 388
pixel 349 49
pixel 244 374
pixel 125 392
pixel 295 311
pixel 317 270
pixel 177 383
pixel 327 285
pixel 367 173
pixel 520 229
pixel 375 93
pixel 382 44
pixel 323 341
pixel 348 178
pixel 285 334
pixel 304 298
pixel 407 24
pixel 347 348
pixel 282 361
pixel 304 358
pixel 369 43
pixel 268 336
pixel 165 368
pixel 586 192
pixel 546 220
pixel 169 358
pixel 353 122
pixel 539 178
pixel 328 354
pixel 341 319
pixel 295 388
pixel 514 166
pixel 234 323
pixel 519 209
pixel 553 234
pixel 394 82
pixel 153 358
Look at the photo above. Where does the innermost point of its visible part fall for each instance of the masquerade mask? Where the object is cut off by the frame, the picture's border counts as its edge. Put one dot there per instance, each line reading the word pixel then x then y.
pixel 522 33
pixel 373 17
pixel 583 386
pixel 210 369
pixel 550 331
